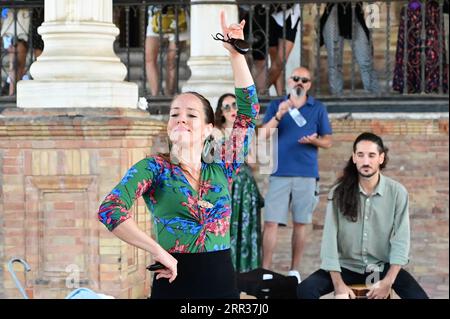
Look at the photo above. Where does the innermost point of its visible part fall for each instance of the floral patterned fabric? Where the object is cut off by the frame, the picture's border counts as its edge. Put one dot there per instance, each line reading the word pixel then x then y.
pixel 182 223
pixel 245 227
pixel 433 51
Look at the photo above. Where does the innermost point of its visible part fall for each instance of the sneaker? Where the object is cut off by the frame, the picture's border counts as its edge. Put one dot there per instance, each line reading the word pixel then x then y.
pixel 296 274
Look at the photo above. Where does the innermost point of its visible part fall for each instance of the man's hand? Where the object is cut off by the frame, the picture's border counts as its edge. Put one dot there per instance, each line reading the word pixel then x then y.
pixel 380 290
pixel 344 292
pixel 309 139
pixel 283 108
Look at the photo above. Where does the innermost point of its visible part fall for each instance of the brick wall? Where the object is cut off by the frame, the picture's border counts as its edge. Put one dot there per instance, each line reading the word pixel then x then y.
pixel 55 170
pixel 2 292
pixel 419 160
pixel 57 166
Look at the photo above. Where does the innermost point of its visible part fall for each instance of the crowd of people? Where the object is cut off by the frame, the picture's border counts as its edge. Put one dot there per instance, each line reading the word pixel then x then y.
pixel 273 30
pixel 202 194
pixel 206 205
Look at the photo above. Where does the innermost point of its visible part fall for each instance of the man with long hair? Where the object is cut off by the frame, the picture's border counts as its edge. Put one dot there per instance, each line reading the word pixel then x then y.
pixel 366 236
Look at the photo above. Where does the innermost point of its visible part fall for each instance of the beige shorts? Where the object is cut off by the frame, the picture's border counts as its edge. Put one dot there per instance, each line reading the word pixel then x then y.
pixel 298 194
pixel 183 36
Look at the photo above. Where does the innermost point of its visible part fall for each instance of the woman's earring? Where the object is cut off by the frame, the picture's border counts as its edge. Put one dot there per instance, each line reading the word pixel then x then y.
pixel 206 152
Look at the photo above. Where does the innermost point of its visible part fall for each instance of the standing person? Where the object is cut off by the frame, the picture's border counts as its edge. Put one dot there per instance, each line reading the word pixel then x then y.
pixel 336 25
pixel 303 127
pixel 445 11
pixel 412 16
pixel 189 198
pixel 245 225
pixel 280 43
pixel 155 39
pixel 366 234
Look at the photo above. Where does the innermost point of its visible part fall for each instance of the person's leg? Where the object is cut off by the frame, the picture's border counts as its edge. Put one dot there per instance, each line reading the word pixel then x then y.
pixel 151 63
pixel 276 209
pixel 12 70
pixel 269 243
pixel 363 55
pixel 17 66
pixel 22 49
pixel 171 65
pixel 259 70
pixel 275 65
pixel 276 68
pixel 319 283
pixel 298 244
pixel 259 46
pixel 406 287
pixel 304 201
pixel 334 45
pixel 315 286
pixel 446 31
pixel 285 45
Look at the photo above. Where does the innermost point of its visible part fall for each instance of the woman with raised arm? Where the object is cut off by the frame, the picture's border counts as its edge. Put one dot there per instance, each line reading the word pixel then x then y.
pixel 188 196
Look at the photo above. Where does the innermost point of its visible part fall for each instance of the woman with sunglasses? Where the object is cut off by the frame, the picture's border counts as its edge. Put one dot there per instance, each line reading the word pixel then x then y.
pixel 245 227
pixel 188 197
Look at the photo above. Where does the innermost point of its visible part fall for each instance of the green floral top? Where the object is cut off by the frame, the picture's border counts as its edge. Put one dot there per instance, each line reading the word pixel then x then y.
pixel 187 221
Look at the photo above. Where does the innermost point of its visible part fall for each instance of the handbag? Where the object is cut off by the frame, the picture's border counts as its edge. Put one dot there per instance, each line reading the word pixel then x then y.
pixel 164 20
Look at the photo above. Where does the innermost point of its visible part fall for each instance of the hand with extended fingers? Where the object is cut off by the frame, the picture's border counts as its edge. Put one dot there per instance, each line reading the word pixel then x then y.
pixel 309 139
pixel 232 36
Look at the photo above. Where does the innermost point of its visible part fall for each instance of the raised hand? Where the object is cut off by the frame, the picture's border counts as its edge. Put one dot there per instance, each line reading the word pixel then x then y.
pixel 283 108
pixel 233 31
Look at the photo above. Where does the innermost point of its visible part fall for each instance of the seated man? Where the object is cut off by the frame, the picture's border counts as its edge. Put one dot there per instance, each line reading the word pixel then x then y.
pixel 366 234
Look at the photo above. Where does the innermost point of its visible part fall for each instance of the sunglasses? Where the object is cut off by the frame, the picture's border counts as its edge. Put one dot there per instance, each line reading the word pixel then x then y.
pixel 227 107
pixel 297 78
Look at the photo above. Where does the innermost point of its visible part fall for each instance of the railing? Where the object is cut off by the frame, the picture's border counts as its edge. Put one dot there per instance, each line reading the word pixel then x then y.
pixel 421 61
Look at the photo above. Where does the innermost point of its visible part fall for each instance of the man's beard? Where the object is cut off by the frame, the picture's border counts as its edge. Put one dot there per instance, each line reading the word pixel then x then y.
pixel 298 91
pixel 366 175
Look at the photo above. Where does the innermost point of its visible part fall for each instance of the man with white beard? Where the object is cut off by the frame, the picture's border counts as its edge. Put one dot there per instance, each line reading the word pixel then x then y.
pixel 302 127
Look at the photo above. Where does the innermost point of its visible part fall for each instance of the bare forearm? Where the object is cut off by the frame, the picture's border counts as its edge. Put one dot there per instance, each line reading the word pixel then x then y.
pixel 268 128
pixel 129 232
pixel 336 278
pixel 392 273
pixel 242 76
pixel 323 142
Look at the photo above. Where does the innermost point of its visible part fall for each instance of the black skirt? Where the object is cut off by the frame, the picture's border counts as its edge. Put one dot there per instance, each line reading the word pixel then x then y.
pixel 200 276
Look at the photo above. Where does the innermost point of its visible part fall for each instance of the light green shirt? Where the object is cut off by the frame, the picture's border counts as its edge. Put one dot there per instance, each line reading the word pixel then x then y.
pixel 380 235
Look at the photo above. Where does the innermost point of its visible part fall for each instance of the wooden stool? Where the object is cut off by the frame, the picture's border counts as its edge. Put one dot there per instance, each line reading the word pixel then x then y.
pixel 361 291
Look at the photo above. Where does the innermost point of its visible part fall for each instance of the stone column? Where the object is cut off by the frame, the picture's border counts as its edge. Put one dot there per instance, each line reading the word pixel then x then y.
pixel 78 67
pixel 209 62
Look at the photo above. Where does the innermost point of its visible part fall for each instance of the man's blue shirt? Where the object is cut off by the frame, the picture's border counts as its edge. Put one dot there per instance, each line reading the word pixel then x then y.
pixel 293 158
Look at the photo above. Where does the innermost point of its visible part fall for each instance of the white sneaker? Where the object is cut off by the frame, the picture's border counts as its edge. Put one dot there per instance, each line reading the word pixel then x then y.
pixel 295 273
